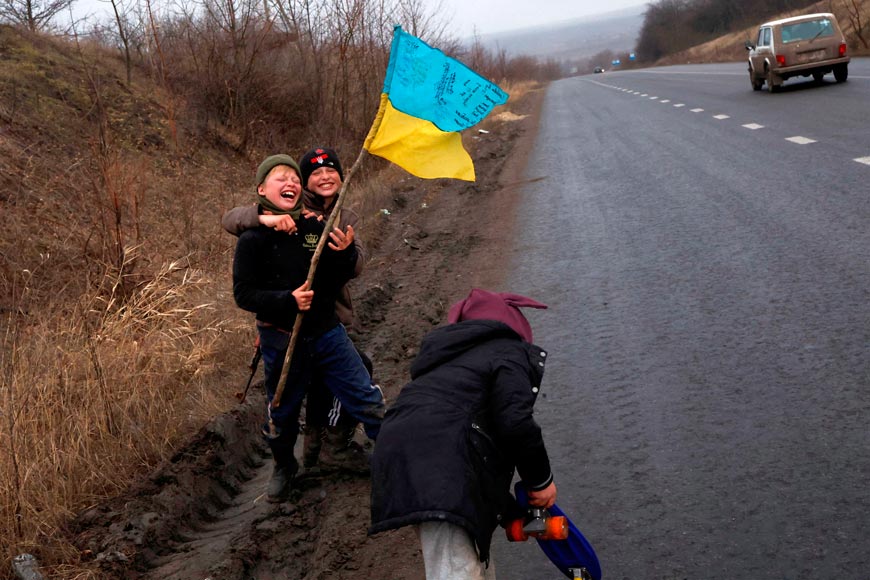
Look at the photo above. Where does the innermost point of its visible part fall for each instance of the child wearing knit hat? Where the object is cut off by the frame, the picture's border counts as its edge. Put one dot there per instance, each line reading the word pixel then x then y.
pixel 270 269
pixel 322 177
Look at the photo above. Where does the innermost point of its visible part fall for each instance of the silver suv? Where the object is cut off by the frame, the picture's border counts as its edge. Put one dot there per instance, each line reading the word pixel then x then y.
pixel 810 45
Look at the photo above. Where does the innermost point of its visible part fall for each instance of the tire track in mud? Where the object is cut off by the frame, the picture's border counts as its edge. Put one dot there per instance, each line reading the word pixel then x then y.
pixel 181 507
pixel 204 514
pixel 214 541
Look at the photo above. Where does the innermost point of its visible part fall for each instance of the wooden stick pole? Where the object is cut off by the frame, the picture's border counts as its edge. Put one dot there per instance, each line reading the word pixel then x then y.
pixel 276 400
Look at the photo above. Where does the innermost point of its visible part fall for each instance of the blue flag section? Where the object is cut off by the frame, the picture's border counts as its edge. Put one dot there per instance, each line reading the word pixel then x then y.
pixel 425 83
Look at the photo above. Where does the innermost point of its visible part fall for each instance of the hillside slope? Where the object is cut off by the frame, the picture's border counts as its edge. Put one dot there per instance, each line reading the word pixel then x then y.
pixel 106 165
pixel 730 48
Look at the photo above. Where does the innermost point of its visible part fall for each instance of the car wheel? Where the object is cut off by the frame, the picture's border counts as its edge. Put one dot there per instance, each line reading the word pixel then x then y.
pixel 841 73
pixel 818 77
pixel 772 85
pixel 756 83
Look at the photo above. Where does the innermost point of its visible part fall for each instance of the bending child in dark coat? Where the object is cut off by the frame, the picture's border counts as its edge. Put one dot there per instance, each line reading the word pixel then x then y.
pixel 446 453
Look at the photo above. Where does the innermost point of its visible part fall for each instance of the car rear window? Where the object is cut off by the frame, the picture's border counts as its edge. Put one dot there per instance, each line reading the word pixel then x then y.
pixel 808 30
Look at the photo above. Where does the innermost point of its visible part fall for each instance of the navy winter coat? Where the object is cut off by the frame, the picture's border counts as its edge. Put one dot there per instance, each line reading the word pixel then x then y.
pixel 449 445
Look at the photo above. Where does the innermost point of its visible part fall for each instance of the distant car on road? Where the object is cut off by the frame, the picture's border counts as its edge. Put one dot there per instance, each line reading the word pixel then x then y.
pixel 809 45
pixel 598 69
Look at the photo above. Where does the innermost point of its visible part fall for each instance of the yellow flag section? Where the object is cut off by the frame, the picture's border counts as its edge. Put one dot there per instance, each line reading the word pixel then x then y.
pixel 417 145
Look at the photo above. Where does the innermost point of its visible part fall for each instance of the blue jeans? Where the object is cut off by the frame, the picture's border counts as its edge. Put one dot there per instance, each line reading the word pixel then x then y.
pixel 333 361
pixel 322 409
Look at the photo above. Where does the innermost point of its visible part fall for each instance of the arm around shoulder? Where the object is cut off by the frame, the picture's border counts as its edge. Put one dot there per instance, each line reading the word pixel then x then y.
pixel 239 219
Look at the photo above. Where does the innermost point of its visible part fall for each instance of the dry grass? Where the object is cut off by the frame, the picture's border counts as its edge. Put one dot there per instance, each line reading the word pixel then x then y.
pixel 113 349
pixel 93 396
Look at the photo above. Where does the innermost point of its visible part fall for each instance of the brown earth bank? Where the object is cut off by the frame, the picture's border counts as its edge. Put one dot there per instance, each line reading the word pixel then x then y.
pixel 203 514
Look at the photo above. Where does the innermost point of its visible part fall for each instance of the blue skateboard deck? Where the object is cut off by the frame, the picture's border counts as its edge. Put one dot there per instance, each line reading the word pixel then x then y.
pixel 568 555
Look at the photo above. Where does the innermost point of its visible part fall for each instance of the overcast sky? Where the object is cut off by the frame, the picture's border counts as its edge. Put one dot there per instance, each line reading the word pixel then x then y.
pixel 500 15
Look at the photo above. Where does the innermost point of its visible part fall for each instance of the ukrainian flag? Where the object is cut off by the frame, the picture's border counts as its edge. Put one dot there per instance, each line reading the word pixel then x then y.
pixel 428 98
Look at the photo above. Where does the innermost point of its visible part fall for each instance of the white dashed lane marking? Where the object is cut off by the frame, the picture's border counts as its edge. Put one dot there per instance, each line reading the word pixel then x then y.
pixel 798 139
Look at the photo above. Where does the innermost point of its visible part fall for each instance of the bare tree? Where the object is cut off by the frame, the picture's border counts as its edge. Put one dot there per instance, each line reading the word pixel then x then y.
pixel 309 21
pixel 171 109
pixel 853 10
pixel 34 14
pixel 123 35
pixel 424 20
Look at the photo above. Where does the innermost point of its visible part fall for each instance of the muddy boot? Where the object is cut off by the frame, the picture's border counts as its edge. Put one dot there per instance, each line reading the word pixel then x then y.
pixel 342 453
pixel 311 444
pixel 281 481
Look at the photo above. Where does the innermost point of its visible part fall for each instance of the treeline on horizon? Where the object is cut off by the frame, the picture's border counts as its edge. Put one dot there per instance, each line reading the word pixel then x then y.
pixel 671 26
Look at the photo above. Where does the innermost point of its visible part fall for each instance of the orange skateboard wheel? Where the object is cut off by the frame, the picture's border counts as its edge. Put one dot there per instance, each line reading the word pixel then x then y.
pixel 515 533
pixel 557 528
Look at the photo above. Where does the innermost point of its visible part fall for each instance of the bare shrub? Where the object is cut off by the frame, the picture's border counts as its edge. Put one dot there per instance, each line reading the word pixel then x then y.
pixel 856 19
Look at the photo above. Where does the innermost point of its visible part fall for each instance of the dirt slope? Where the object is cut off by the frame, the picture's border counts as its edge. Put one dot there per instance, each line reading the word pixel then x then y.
pixel 203 514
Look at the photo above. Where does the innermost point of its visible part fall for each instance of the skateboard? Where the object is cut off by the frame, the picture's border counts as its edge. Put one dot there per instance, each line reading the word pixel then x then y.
pixel 558 537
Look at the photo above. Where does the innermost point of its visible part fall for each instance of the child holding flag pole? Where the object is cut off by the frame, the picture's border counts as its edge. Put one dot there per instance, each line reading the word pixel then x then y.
pixel 325 421
pixel 275 276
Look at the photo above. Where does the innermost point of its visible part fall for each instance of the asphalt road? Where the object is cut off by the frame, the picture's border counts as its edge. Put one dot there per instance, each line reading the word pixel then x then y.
pixel 705 250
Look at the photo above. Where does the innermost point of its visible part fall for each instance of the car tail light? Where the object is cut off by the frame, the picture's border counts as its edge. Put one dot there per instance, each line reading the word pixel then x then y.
pixel 780 60
pixel 842 49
